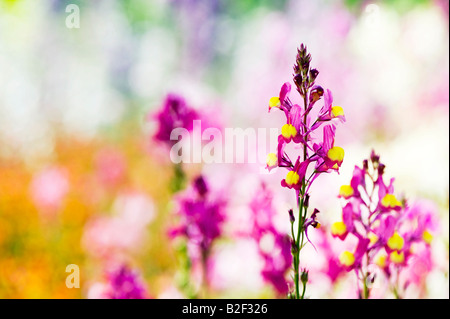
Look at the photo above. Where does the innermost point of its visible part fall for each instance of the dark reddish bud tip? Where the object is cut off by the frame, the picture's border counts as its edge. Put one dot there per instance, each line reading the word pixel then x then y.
pixel 306 202
pixel 313 74
pixel 374 157
pixel 291 216
pixel 381 169
pixel 366 165
pixel 315 94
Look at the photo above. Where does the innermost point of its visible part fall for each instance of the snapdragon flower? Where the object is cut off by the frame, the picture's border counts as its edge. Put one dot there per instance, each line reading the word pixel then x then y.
pixel 301 128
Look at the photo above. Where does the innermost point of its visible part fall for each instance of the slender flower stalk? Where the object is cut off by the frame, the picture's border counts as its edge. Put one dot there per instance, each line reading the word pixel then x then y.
pixel 301 128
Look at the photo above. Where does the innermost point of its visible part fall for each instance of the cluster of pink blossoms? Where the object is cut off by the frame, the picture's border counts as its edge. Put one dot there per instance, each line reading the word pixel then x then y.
pixel 389 232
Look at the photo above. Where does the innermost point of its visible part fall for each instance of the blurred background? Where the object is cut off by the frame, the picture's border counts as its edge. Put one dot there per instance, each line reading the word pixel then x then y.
pixel 83 182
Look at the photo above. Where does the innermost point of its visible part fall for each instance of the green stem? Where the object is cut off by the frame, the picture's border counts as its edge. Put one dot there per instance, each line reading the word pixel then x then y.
pixel 301 217
pixel 179 179
pixel 366 289
pixel 304 289
pixel 297 252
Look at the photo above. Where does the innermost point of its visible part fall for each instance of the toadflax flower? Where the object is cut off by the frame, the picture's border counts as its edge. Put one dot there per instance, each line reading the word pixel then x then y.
pixel 387 229
pixel 316 151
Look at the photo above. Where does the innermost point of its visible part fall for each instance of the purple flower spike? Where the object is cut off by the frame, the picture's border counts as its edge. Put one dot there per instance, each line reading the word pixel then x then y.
pixel 125 284
pixel 175 113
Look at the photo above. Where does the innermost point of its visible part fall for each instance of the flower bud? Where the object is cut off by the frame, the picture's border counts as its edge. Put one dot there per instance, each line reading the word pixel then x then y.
pixel 315 94
pixel 374 157
pixel 291 216
pixel 305 62
pixel 298 80
pixel 304 276
pixel 306 201
pixel 313 74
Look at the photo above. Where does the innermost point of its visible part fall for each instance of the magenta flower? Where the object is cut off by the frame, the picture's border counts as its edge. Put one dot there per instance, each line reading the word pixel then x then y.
pixel 121 283
pixel 328 112
pixel 333 269
pixel 126 284
pixel 175 113
pixel 328 156
pixel 295 176
pixel 201 215
pixel 282 100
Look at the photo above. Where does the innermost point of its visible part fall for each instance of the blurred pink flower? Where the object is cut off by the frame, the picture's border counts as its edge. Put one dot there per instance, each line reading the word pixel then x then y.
pixel 110 166
pixel 125 230
pixel 274 247
pixel 49 188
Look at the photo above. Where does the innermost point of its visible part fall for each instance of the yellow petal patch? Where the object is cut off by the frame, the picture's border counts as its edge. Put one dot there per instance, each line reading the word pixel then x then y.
pixel 427 237
pixel 292 178
pixel 338 228
pixel 346 191
pixel 346 258
pixel 389 200
pixel 272 160
pixel 274 102
pixel 396 242
pixel 336 154
pixel 337 111
pixel 397 258
pixel 380 260
pixel 288 131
